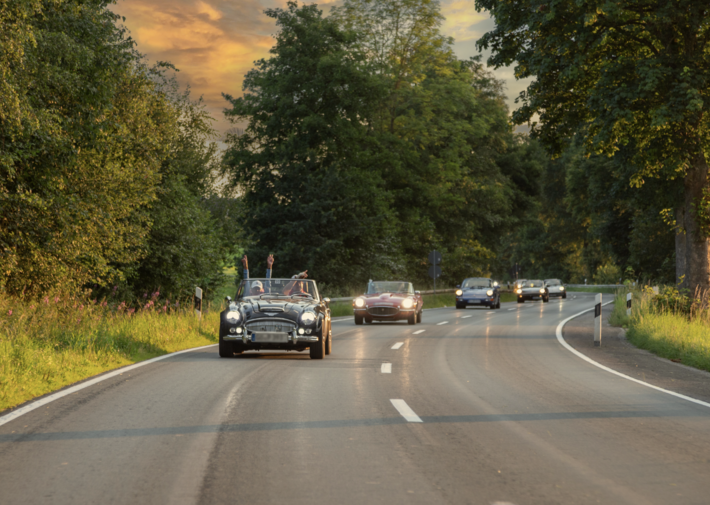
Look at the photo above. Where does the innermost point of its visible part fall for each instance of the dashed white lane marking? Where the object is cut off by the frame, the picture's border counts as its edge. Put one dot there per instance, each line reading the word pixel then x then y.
pixel 406 412
pixel 443 322
pixel 464 317
pixel 562 341
pixel 513 308
pixel 487 313
pixel 418 332
pixel 397 345
pixel 386 368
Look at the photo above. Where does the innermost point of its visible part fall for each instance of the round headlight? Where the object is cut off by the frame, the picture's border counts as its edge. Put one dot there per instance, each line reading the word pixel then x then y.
pixel 308 317
pixel 359 302
pixel 459 292
pixel 233 315
pixel 562 288
pixel 489 292
pixel 519 291
pixel 407 303
pixel 542 291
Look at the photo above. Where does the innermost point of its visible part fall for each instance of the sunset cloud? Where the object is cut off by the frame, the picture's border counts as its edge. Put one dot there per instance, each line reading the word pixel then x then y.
pixel 215 42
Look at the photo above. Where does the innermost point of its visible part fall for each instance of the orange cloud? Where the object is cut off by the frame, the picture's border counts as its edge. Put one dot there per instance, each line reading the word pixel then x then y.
pixel 215 42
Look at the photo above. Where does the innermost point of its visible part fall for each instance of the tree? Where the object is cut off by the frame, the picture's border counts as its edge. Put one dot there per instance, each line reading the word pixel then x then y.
pixel 307 164
pixel 634 74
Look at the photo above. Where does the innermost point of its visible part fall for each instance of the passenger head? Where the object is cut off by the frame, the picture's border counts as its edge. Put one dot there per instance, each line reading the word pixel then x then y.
pixel 257 288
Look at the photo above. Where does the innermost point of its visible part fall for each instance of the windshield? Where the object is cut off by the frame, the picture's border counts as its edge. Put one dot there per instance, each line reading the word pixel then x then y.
pixel 390 287
pixel 476 283
pixel 533 284
pixel 553 282
pixel 277 288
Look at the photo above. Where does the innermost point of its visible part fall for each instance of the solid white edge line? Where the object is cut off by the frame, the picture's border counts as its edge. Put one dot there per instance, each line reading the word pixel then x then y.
pixel 443 322
pixel 397 345
pixel 406 412
pixel 607 369
pixel 65 392
pixel 386 368
pixel 418 332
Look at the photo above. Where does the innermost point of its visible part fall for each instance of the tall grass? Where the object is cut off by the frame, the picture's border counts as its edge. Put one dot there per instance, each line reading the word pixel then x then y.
pixel 59 340
pixel 669 325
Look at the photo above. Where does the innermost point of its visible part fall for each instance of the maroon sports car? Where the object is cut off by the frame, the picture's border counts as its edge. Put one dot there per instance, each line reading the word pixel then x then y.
pixel 388 301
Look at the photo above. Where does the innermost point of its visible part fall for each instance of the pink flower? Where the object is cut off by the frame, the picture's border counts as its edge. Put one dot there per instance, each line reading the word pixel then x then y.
pixel 131 311
pixel 145 295
pixel 9 312
pixel 46 300
pixel 32 307
pixel 81 307
pixel 104 303
pixel 56 299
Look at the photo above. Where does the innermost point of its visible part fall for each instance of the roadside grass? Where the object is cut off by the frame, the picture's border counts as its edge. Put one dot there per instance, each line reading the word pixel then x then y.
pixel 593 289
pixel 665 333
pixel 50 344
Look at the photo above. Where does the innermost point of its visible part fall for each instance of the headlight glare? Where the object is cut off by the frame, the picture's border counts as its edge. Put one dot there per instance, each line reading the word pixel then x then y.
pixel 489 292
pixel 308 317
pixel 542 291
pixel 233 315
pixel 459 292
pixel 359 302
pixel 407 303
pixel 562 288
pixel 519 291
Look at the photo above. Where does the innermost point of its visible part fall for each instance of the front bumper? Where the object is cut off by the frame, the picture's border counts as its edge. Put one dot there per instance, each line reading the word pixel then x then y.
pixel 487 302
pixel 379 315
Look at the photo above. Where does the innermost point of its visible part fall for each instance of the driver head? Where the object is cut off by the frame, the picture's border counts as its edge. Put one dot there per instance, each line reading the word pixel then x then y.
pixel 257 287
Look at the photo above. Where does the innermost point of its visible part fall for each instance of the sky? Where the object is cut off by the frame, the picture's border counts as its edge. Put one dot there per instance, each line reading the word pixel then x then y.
pixel 214 43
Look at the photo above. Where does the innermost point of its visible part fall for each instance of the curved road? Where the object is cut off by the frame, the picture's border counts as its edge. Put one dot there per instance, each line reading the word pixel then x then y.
pixel 481 407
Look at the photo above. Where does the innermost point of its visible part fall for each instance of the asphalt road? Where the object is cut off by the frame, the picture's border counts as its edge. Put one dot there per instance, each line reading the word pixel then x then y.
pixel 507 416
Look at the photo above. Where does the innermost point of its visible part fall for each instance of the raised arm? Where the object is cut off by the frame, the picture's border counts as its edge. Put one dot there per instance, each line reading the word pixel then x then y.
pixel 246 266
pixel 269 265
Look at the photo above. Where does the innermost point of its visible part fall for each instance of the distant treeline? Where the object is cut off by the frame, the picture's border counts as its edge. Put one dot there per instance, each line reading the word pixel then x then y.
pixel 106 167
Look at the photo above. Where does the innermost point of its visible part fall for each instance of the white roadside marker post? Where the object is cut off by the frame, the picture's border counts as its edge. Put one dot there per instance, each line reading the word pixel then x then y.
pixel 198 302
pixel 628 304
pixel 598 320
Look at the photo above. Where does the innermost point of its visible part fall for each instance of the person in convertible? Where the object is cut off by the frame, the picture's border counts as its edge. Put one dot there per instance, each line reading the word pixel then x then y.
pixel 257 288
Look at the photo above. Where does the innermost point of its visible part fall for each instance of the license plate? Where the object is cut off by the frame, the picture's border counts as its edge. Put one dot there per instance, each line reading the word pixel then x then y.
pixel 263 336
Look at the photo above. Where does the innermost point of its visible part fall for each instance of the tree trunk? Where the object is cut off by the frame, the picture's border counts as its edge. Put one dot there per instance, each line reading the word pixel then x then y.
pixel 680 249
pixel 697 244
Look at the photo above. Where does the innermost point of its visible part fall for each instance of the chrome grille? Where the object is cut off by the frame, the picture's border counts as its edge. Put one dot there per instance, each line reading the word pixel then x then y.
pixel 382 311
pixel 271 325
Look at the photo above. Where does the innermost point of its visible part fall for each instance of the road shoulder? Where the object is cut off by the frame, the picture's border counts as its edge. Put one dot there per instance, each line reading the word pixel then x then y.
pixel 619 354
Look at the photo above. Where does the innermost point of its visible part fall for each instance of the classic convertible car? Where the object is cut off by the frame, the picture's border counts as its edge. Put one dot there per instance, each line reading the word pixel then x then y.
pixel 388 301
pixel 532 289
pixel 555 288
pixel 478 291
pixel 276 314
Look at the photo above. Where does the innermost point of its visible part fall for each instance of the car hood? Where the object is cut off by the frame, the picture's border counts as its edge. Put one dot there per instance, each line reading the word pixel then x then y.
pixel 475 291
pixel 532 290
pixel 385 298
pixel 289 309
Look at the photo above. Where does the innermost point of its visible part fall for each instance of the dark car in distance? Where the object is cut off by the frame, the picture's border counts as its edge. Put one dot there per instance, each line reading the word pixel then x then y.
pixel 286 314
pixel 479 291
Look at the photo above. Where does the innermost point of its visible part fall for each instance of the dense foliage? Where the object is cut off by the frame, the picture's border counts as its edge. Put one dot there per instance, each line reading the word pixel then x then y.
pixel 635 78
pixel 101 160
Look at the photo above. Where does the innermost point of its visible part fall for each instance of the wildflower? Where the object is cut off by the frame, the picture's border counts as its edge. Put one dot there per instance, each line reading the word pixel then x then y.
pixel 46 300
pixel 56 299
pixel 104 303
pixel 32 307
pixel 145 295
pixel 155 295
pixel 131 311
pixel 9 312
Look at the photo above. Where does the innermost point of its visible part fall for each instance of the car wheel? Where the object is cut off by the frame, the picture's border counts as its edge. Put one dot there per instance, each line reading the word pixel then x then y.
pixel 498 304
pixel 545 299
pixel 460 306
pixel 226 349
pixel 317 349
pixel 419 317
pixel 521 300
pixel 358 319
pixel 412 319
pixel 564 296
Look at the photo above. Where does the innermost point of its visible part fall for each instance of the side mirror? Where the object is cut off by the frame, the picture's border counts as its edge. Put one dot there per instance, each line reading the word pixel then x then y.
pixel 495 284
pixel 417 293
pixel 458 285
pixel 327 301
pixel 228 298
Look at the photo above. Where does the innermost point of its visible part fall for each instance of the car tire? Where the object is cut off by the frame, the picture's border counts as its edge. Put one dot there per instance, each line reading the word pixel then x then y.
pixel 498 304
pixel 419 317
pixel 358 319
pixel 521 300
pixel 317 349
pixel 226 349
pixel 545 299
pixel 564 296
pixel 329 343
pixel 460 306
pixel 412 319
